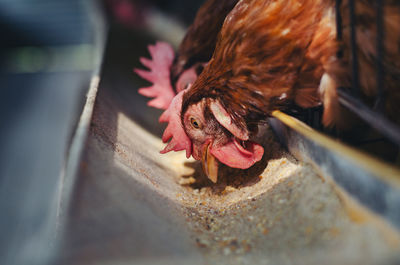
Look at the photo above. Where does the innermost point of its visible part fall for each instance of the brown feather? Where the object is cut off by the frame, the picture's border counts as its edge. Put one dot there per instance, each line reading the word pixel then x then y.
pixel 269 55
pixel 272 54
pixel 199 42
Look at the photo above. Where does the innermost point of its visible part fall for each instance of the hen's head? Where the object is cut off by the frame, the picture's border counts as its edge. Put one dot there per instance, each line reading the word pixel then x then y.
pixel 216 136
pixel 206 130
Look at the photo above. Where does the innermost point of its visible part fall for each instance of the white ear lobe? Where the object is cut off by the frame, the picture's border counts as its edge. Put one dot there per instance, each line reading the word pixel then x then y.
pixel 225 120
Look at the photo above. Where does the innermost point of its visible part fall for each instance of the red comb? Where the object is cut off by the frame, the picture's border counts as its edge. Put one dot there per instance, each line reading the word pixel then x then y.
pixel 162 55
pixel 180 141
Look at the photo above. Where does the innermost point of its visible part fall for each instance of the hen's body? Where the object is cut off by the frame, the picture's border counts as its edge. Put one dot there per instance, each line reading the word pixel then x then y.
pixel 269 54
pixel 199 42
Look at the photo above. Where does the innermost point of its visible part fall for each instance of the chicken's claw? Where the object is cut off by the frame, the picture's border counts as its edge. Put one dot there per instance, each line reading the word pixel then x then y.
pixel 162 55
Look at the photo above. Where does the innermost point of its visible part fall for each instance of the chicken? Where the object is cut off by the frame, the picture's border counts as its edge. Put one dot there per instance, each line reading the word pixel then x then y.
pixel 269 55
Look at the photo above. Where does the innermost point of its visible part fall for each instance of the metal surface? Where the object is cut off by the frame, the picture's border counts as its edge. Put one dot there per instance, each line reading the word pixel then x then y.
pixel 353 44
pixel 380 55
pixel 374 183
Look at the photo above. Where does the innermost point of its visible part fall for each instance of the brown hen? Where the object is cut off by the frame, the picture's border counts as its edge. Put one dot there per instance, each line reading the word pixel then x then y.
pixel 271 55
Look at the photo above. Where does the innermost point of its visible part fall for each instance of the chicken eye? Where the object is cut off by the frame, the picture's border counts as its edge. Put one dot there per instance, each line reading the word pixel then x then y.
pixel 195 123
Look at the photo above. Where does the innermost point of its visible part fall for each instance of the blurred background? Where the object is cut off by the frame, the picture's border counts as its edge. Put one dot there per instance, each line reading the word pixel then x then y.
pixel 49 52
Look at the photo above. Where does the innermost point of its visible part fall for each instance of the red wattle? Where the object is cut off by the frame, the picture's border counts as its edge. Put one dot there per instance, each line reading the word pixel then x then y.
pixel 234 155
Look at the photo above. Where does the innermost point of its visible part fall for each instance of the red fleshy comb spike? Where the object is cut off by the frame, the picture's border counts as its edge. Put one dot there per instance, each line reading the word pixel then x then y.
pixel 180 141
pixel 162 55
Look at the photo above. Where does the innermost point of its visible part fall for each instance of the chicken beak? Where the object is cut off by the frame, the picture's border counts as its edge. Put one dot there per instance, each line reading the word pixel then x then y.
pixel 210 164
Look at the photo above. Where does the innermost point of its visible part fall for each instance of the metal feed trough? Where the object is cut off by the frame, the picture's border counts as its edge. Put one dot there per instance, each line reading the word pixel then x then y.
pixel 118 201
